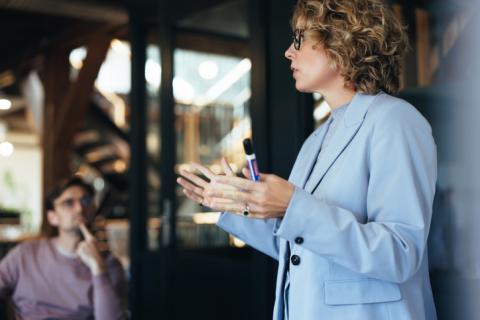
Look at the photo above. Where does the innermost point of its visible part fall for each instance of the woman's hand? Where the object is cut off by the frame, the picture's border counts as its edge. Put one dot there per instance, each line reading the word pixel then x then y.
pixel 194 186
pixel 267 198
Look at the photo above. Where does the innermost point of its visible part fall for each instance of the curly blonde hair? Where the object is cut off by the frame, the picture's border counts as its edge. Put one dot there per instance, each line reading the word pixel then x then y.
pixel 363 38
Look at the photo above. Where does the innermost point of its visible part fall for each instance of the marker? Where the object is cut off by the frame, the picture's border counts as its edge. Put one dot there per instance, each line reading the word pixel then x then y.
pixel 251 160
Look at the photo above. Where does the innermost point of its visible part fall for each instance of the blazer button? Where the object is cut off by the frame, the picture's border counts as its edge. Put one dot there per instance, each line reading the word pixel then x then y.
pixel 298 240
pixel 295 260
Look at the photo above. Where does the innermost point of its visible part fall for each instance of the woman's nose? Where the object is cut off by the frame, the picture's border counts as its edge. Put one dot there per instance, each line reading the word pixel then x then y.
pixel 289 52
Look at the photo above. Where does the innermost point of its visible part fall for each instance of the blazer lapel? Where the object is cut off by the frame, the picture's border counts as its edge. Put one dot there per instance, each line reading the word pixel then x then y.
pixel 305 167
pixel 351 122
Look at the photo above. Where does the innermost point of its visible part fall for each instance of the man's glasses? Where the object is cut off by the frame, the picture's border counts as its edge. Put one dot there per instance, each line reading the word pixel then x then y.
pixel 297 38
pixel 85 202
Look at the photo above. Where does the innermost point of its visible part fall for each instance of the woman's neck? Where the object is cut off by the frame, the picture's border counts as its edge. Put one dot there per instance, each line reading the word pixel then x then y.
pixel 339 97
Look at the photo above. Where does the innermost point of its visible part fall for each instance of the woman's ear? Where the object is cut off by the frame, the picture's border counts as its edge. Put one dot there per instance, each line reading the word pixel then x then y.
pixel 333 66
pixel 52 218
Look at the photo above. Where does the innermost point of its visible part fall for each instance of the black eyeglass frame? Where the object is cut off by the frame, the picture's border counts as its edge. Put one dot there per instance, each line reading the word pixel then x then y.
pixel 297 38
pixel 85 202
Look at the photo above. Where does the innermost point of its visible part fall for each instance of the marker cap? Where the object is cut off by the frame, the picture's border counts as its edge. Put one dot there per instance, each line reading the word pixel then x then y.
pixel 248 146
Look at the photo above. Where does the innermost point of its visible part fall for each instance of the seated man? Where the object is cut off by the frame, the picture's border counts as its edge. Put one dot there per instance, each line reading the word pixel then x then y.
pixel 64 276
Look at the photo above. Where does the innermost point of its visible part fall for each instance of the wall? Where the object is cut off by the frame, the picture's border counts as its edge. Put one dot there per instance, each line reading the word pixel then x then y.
pixel 21 180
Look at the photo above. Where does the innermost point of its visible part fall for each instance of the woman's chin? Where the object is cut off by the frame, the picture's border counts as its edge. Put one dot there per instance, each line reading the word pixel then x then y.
pixel 302 89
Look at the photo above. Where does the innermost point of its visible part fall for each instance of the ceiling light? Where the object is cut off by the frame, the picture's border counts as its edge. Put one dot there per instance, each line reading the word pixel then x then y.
pixel 77 56
pixel 114 74
pixel 6 149
pixel 183 90
pixel 153 73
pixel 121 47
pixel 224 84
pixel 119 166
pixel 5 104
pixel 208 70
pixel 99 184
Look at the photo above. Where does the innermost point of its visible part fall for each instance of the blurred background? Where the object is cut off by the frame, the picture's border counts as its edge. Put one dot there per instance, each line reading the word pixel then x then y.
pixel 125 93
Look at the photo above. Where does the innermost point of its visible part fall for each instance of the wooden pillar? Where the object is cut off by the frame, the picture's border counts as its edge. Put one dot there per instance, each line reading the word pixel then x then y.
pixel 77 101
pixel 408 76
pixel 411 67
pixel 55 159
pixel 423 47
pixel 192 137
pixel 66 105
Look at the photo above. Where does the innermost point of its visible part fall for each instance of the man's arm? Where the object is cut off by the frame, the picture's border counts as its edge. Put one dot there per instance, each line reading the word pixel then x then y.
pixel 109 293
pixel 107 304
pixel 9 271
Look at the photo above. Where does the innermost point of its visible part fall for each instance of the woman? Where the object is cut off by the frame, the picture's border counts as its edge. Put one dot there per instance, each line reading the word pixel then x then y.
pixel 350 227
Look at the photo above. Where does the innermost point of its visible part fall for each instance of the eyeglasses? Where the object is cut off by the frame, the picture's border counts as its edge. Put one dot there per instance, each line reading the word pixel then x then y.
pixel 85 202
pixel 297 38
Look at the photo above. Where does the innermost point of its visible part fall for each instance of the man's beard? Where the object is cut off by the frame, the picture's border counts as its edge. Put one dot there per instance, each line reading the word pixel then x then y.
pixel 77 232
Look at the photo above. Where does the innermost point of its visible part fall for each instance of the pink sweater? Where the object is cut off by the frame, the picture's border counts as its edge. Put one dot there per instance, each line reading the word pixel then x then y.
pixel 44 283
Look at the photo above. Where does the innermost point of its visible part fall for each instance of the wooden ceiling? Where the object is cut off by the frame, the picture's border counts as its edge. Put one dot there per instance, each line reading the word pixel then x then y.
pixel 27 30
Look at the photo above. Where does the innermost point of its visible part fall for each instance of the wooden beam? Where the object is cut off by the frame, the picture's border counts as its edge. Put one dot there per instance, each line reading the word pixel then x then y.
pixel 212 43
pixel 55 159
pixel 85 10
pixel 171 11
pixel 79 34
pixel 408 75
pixel 397 9
pixel 423 47
pixel 77 101
pixel 45 42
pixel 411 67
pixel 66 106
pixel 192 136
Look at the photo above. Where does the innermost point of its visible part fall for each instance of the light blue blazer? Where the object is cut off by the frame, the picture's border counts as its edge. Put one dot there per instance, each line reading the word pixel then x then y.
pixel 359 227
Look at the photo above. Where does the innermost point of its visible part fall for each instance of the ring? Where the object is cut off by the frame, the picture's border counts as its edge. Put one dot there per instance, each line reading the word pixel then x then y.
pixel 246 211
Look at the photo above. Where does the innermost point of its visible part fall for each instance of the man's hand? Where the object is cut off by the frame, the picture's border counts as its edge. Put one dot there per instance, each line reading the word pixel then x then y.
pixel 88 252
